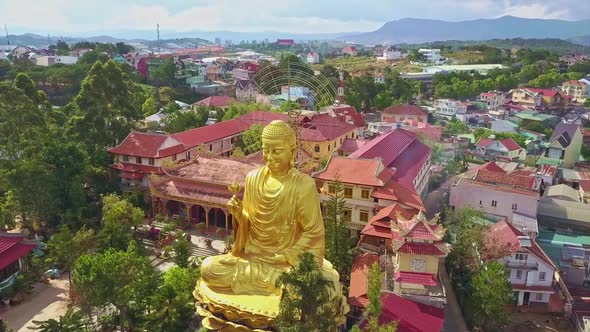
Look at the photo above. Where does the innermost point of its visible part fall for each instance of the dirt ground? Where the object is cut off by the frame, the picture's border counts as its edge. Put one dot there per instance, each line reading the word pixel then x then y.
pixel 45 302
pixel 521 322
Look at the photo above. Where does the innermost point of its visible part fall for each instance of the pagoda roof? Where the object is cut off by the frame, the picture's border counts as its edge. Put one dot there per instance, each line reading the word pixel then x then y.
pixel 416 278
pixel 13 246
pixel 426 249
pixel 419 228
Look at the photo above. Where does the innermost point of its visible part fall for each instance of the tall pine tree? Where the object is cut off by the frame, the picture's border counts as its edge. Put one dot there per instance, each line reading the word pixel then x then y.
pixel 338 240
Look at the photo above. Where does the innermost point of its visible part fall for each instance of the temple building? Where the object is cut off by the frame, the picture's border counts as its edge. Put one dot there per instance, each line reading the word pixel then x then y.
pixel 369 187
pixel 197 191
pixel 141 154
pixel 13 249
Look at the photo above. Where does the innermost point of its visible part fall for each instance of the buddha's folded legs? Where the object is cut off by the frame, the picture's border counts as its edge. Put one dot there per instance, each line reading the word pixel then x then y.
pixel 218 271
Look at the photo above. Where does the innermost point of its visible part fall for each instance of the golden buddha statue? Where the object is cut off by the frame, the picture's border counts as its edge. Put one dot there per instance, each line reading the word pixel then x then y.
pixel 278 219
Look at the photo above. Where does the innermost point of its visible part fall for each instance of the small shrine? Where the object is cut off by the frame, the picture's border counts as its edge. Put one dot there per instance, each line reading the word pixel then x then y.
pixel 418 249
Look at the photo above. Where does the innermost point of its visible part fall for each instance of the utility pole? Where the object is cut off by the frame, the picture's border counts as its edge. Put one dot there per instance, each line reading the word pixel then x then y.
pixel 6 30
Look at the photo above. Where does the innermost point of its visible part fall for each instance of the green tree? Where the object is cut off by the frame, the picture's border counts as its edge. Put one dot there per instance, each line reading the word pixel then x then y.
pixel 528 72
pixel 164 74
pixel 149 107
pixel 237 109
pixel 416 56
pixel 585 151
pixel 124 279
pixel 587 103
pixel 375 306
pixel 466 236
pixel 491 293
pixel 338 241
pixel 65 247
pixel 455 127
pixel 536 127
pixel 180 121
pixel 305 304
pixel 71 321
pixel 118 216
pixel 252 139
pixel 182 252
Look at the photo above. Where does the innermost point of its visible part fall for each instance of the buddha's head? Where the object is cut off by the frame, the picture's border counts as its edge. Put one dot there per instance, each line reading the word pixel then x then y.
pixel 278 147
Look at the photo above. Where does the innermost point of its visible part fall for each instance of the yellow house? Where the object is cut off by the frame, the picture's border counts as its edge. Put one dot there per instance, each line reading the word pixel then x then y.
pixel 323 135
pixel 419 248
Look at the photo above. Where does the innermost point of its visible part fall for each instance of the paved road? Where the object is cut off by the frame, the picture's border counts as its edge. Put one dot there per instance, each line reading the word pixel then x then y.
pixel 454 321
pixel 437 200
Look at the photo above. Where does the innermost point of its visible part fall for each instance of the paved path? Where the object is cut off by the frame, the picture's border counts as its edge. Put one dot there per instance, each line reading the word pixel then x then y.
pixel 454 321
pixel 438 199
pixel 45 302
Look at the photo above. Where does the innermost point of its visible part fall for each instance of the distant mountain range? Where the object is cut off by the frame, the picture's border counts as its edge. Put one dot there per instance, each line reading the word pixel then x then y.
pixel 413 31
pixel 403 31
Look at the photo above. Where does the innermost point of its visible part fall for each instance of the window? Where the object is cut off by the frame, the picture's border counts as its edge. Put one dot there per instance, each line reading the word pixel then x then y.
pixel 152 161
pixel 317 148
pixel 210 147
pixel 365 193
pixel 514 206
pixel 331 189
pixel 173 157
pixel 479 203
pixel 364 216
pixel 138 160
pixel 328 148
pixel 494 203
pixel 188 155
pixel 541 276
pixel 347 192
pixel 346 214
pixel 521 257
pixel 125 158
pixel 539 297
pixel 518 274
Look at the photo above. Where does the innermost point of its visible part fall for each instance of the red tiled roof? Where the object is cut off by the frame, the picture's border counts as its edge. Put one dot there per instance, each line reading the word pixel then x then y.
pixel 347 113
pixel 411 316
pixel 545 92
pixel 402 193
pixel 351 145
pixel 349 49
pixel 348 171
pixel 216 101
pixel 357 294
pixel 404 110
pixel 323 127
pixel 517 181
pixel 202 135
pixel 146 145
pixel 510 144
pixel 421 231
pixel 585 184
pixel 378 231
pixel 416 278
pixel 188 191
pixel 524 172
pixel 507 235
pixel 213 170
pixel 413 248
pixel 483 142
pixel 574 82
pixel 547 170
pixel 432 132
pixel 134 168
pixel 391 212
pixel 489 166
pixel 13 247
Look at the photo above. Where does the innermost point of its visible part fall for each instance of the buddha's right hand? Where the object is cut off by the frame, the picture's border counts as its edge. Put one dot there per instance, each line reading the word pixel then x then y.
pixel 234 205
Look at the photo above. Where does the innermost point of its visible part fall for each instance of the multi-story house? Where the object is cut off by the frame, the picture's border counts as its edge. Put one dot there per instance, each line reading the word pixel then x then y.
pixel 539 98
pixel 392 53
pixel 404 113
pixel 448 108
pixel 531 271
pixel 349 50
pixel 313 58
pixel 496 192
pixel 578 90
pixel 246 90
pixel 493 99
pixel 402 151
pixel 501 150
pixel 433 55
pixel 365 192
pixel 322 135
pixel 565 144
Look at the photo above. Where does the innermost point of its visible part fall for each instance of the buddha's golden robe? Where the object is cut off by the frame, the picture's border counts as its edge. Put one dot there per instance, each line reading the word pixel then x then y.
pixel 283 219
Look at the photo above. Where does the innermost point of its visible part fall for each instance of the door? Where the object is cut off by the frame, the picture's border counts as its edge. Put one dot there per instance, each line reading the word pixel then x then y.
pixel 526 299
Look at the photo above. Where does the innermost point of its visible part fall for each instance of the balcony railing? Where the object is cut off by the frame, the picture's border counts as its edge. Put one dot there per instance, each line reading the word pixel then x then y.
pixel 357 225
pixel 523 265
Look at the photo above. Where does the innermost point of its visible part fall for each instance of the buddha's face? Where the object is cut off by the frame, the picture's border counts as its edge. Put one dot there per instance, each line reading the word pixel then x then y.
pixel 277 155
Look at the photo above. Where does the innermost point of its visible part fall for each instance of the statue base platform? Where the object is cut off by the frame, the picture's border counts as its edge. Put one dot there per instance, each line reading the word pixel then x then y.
pixel 227 312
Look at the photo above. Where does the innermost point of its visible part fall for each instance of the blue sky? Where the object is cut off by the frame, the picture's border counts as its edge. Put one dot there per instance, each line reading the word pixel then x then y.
pixel 302 16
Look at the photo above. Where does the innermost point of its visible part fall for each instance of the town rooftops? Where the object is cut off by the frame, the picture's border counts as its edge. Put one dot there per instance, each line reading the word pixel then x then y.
pixel 12 247
pixel 509 180
pixel 349 49
pixel 216 101
pixel 411 316
pixel 212 170
pixel 323 127
pixel 351 145
pixel 348 114
pixel 508 143
pixel 357 295
pixel 574 82
pixel 509 237
pixel 348 171
pixel 404 110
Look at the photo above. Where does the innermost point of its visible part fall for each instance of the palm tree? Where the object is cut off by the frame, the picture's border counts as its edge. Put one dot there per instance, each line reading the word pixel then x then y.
pixel 305 304
pixel 72 321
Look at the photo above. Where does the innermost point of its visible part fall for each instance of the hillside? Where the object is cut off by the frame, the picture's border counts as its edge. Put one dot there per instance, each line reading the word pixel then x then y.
pixel 582 40
pixel 410 30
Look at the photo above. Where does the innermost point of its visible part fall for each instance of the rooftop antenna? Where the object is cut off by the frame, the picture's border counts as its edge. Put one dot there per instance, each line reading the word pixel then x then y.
pixel 6 30
pixel 158 31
